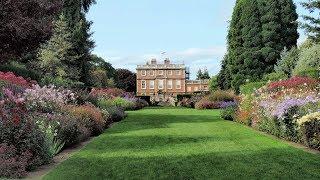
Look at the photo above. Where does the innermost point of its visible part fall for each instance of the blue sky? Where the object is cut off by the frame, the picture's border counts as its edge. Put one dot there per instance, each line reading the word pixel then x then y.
pixel 193 32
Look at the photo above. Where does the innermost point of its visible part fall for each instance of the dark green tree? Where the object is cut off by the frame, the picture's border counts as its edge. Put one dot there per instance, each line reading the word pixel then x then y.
pixel 57 58
pixel 224 76
pixel 259 30
pixel 289 23
pixel 213 83
pixel 75 11
pixel 312 26
pixel 126 80
pixel 235 45
pixel 206 74
pixel 250 62
pixel 102 74
pixel 199 74
pixel 271 32
pixel 99 63
pixel 203 74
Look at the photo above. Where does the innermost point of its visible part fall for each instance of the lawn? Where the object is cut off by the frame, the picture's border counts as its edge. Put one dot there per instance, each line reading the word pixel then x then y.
pixel 186 144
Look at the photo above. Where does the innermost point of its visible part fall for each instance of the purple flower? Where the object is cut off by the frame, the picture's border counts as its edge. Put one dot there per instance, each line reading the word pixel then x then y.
pixel 227 104
pixel 283 107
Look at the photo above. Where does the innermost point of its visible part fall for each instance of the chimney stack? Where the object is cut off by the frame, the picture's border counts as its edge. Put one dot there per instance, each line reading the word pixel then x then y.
pixel 153 61
pixel 167 61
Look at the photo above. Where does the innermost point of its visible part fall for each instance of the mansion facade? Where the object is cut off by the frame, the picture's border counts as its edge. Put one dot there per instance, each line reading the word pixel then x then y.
pixel 164 80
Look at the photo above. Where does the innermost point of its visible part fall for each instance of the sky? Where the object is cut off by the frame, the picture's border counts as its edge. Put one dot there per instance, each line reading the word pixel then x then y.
pixel 128 33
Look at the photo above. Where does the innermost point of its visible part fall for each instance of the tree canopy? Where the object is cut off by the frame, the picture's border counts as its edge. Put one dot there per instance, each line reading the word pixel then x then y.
pixel 25 25
pixel 259 30
pixel 312 26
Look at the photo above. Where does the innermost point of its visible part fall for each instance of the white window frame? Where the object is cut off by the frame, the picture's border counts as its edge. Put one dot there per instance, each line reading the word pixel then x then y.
pixel 196 88
pixel 143 72
pixel 178 72
pixel 170 72
pixel 161 74
pixel 151 72
pixel 169 84
pixel 151 84
pixel 178 84
pixel 162 83
pixel 143 84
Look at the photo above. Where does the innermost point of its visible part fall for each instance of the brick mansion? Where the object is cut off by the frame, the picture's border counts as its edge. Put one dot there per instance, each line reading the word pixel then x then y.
pixel 161 81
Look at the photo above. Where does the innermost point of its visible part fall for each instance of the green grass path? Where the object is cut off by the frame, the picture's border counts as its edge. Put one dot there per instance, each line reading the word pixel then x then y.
pixel 186 144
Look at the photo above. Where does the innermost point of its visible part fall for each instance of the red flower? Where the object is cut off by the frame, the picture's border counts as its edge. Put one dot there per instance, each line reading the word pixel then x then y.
pixel 293 83
pixel 13 79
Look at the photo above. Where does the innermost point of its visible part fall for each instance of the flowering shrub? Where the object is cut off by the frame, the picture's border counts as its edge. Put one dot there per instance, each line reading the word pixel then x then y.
pixel 140 103
pixel 47 99
pixel 205 103
pixel 279 108
pixel 12 163
pixel 227 104
pixel 63 129
pixel 115 114
pixel 222 96
pixel 309 129
pixel 14 88
pixel 228 110
pixel 276 107
pixel 294 82
pixel 190 102
pixel 49 126
pixel 89 117
pixel 127 103
pixel 11 78
pixel 107 93
pixel 19 132
pixel 185 103
pixel 308 118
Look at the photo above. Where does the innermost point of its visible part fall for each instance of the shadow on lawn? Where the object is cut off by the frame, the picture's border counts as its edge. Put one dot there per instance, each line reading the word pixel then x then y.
pixel 275 163
pixel 146 143
pixel 153 121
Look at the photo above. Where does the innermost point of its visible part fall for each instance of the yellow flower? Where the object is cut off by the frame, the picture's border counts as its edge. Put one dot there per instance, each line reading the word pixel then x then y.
pixel 308 118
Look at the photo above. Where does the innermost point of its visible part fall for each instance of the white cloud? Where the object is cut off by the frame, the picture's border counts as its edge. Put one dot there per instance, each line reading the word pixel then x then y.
pixel 195 58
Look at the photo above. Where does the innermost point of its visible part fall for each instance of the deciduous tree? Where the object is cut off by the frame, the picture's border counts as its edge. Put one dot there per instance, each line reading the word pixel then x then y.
pixel 126 80
pixel 25 25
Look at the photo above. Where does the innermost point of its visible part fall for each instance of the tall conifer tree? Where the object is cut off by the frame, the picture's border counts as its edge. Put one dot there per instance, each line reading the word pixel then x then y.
pixel 271 33
pixel 259 31
pixel 224 76
pixel 289 23
pixel 57 57
pixel 250 62
pixel 313 25
pixel 235 43
pixel 75 11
